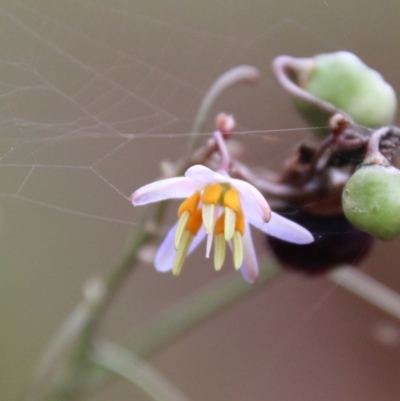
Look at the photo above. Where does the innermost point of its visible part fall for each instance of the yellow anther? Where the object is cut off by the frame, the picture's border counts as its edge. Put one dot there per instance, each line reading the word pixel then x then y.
pixel 219 225
pixel 240 225
pixel 181 252
pixel 180 227
pixel 208 212
pixel 211 194
pixel 219 251
pixel 237 246
pixel 190 204
pixel 229 223
pixel 194 223
pixel 232 200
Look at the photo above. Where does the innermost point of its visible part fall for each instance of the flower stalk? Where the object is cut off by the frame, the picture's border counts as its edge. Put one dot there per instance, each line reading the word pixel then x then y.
pixel 245 74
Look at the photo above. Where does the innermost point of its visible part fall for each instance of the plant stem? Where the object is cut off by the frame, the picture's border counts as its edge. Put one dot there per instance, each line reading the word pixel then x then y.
pixel 241 74
pixel 368 289
pixel 284 65
pixel 177 319
pixel 127 365
pixel 78 368
pixel 225 158
pixel 64 339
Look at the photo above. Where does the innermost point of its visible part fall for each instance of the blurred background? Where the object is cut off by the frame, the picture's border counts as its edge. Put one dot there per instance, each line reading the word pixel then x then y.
pixel 93 95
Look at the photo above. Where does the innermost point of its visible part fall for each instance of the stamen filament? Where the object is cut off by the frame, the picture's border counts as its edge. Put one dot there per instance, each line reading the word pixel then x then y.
pixel 210 238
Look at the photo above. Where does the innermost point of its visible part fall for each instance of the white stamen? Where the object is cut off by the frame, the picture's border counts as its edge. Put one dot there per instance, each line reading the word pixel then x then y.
pixel 237 246
pixel 229 223
pixel 181 252
pixel 219 251
pixel 180 228
pixel 208 212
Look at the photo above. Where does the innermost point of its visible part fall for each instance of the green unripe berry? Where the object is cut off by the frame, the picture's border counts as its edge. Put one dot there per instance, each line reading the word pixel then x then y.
pixel 371 200
pixel 345 81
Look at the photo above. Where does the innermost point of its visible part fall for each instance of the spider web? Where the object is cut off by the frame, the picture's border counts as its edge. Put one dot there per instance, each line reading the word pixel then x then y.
pixel 94 94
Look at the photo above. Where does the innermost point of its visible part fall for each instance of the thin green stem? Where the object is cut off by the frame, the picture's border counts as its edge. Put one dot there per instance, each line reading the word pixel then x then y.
pixel 127 365
pixel 64 339
pixel 179 318
pixel 73 379
pixel 282 66
pixel 223 150
pixel 241 74
pixel 368 289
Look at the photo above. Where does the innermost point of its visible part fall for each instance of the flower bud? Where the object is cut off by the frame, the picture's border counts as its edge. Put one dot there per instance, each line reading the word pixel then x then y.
pixel 343 80
pixel 371 200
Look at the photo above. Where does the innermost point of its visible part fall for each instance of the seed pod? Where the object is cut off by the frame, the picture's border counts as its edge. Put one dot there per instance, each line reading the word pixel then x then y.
pixel 336 242
pixel 345 81
pixel 371 200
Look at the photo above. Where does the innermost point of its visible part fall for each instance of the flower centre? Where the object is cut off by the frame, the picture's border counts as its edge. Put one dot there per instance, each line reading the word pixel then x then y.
pixel 221 214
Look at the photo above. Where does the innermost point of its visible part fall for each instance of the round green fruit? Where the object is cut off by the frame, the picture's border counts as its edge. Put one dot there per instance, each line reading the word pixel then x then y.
pixel 345 81
pixel 371 200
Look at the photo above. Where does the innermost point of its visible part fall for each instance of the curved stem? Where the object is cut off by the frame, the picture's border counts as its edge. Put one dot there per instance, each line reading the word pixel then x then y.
pixel 283 65
pixel 323 146
pixel 177 319
pixel 127 365
pixel 223 150
pixel 242 74
pixel 374 140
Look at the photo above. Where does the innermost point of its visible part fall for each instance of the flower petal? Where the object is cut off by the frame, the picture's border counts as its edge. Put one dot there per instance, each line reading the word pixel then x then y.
pixel 170 188
pixel 204 175
pixel 165 255
pixel 284 229
pixel 197 240
pixel 249 267
pixel 253 202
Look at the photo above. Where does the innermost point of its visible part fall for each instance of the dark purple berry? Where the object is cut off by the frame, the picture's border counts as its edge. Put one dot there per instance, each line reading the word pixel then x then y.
pixel 337 241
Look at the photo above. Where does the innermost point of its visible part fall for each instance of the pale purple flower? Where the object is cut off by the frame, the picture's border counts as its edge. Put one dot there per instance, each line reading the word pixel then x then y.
pixel 220 208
